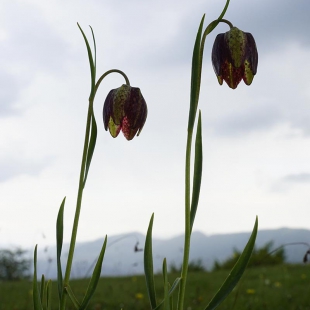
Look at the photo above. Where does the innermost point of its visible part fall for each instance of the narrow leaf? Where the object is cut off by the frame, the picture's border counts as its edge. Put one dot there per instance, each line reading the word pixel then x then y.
pixel 171 290
pixel 195 78
pixel 49 295
pixel 59 242
pixel 95 49
pixel 148 265
pixel 224 10
pixel 37 305
pixel 91 62
pixel 236 273
pixel 174 285
pixel 72 297
pixel 166 286
pixel 197 173
pixel 42 289
pixel 91 146
pixel 94 278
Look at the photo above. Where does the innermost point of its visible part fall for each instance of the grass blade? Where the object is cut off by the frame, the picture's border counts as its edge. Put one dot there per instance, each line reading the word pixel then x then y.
pixel 72 297
pixel 95 49
pixel 37 305
pixel 224 10
pixel 166 286
pixel 236 273
pixel 174 285
pixel 197 172
pixel 59 242
pixel 94 278
pixel 171 290
pixel 91 145
pixel 42 290
pixel 195 78
pixel 91 62
pixel 49 295
pixel 148 265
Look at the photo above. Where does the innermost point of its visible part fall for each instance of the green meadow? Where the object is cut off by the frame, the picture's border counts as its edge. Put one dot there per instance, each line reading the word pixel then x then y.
pixel 284 287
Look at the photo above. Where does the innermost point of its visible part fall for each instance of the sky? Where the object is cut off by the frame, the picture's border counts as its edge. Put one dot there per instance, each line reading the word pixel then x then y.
pixel 256 139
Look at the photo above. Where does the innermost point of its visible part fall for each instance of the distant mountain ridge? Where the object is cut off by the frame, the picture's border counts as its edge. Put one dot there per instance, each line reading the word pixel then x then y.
pixel 121 259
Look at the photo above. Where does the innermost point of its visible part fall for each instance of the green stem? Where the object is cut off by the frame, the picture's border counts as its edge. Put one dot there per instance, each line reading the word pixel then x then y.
pixel 227 22
pixel 81 185
pixel 108 72
pixel 190 128
pixel 78 208
pixel 187 237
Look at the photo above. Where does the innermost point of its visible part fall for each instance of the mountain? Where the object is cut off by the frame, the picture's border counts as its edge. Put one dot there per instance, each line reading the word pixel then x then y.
pixel 121 258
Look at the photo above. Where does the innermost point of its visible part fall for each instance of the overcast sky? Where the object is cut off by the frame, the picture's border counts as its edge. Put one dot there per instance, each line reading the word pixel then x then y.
pixel 256 139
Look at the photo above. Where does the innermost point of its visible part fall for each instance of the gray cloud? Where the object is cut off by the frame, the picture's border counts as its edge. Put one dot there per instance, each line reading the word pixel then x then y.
pixel 248 120
pixel 297 178
pixel 287 182
pixel 14 167
pixel 274 24
pixel 9 93
pixel 31 43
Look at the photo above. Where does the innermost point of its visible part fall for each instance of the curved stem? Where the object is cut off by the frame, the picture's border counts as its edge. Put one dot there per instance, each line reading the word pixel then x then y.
pixel 227 22
pixel 81 182
pixel 108 72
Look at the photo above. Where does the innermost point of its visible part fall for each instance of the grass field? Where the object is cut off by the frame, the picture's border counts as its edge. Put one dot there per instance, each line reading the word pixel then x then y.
pixel 284 287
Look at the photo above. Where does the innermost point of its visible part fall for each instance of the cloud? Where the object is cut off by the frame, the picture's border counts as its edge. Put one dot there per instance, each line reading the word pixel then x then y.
pixel 248 120
pixel 14 167
pixel 297 178
pixel 273 23
pixel 9 94
pixel 30 44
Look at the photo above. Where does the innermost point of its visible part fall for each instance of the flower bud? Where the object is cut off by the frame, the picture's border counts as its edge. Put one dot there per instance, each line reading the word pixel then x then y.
pixel 234 57
pixel 124 109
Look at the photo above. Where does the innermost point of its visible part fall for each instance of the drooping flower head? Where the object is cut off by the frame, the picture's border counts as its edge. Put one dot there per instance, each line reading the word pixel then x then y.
pixel 124 109
pixel 234 57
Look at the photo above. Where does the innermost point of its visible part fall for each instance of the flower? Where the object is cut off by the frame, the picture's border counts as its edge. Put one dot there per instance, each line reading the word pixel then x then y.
pixel 234 57
pixel 139 296
pixel 124 109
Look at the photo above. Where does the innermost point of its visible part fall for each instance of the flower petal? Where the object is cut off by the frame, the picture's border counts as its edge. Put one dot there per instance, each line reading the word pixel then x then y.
pixel 114 128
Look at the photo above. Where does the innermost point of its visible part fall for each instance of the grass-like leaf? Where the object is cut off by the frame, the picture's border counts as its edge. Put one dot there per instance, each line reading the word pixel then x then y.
pixel 95 49
pixel 72 297
pixel 59 242
pixel 91 145
pixel 42 289
pixel 48 295
pixel 148 265
pixel 171 290
pixel 37 305
pixel 166 286
pixel 224 10
pixel 91 62
pixel 195 78
pixel 94 278
pixel 197 172
pixel 236 273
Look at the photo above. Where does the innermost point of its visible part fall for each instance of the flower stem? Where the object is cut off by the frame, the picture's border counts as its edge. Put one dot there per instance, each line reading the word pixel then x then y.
pixel 187 237
pixel 81 184
pixel 227 22
pixel 195 78
pixel 78 207
pixel 108 72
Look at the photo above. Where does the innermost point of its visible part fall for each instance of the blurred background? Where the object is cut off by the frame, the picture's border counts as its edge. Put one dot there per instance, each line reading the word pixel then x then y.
pixel 256 139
